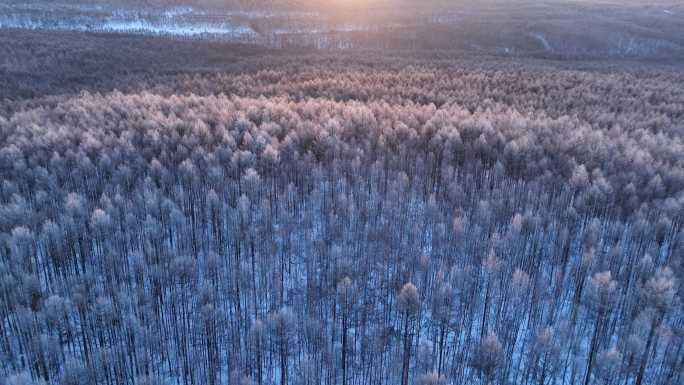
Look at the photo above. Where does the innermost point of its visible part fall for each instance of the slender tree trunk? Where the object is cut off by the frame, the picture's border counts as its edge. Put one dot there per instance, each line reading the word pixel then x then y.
pixel 407 351
pixel 647 351
pixel 344 348
pixel 592 350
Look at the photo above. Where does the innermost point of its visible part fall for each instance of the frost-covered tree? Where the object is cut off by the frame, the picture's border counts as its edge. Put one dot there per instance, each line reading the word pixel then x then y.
pixel 409 304
pixel 263 226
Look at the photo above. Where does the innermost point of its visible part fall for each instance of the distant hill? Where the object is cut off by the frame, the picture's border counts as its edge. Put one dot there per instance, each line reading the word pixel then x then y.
pixel 552 28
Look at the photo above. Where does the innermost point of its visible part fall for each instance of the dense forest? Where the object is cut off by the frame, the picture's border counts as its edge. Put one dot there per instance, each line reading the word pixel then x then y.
pixel 305 218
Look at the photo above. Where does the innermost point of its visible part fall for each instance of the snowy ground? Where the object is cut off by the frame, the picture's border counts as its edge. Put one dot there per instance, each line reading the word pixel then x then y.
pixel 530 29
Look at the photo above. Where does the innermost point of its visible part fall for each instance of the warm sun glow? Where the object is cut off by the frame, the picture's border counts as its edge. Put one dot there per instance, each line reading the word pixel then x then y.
pixel 355 4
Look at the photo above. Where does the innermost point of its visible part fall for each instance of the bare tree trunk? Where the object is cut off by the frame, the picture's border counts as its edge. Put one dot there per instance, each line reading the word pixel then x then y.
pixel 407 351
pixel 647 351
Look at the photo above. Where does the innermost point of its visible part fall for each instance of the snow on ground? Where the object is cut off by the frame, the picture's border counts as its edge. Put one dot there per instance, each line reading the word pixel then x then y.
pixel 542 39
pixel 280 28
pixel 173 29
pixel 129 25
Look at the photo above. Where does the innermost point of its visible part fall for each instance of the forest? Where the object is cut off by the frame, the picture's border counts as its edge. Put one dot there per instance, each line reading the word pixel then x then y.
pixel 209 213
pixel 596 29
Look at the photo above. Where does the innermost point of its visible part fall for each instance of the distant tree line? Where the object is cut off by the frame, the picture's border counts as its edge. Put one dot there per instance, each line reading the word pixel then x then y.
pixel 344 227
pixel 36 64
